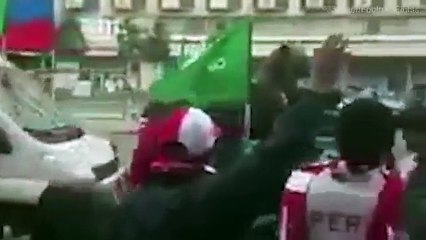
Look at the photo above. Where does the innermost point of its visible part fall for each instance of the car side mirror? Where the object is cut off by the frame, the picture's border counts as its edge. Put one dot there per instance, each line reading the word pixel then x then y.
pixel 5 145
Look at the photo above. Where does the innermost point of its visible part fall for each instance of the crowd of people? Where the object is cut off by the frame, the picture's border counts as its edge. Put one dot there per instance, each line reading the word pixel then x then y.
pixel 195 176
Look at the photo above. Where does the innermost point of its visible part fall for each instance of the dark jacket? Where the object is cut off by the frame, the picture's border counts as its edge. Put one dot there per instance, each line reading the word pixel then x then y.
pixel 322 108
pixel 220 207
pixel 228 150
pixel 313 111
pixel 266 105
pixel 415 205
pixel 68 212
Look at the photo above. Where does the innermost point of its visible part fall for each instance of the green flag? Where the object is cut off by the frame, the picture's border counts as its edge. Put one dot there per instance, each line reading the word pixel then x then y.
pixel 188 53
pixel 220 74
pixel 3 11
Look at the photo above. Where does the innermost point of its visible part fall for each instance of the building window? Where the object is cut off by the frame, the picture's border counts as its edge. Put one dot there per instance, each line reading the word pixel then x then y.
pixel 135 6
pixel 373 4
pixel 271 5
pixel 82 6
pixel 407 7
pixel 318 6
pixel 74 4
pixel 90 6
pixel 223 5
pixel 176 5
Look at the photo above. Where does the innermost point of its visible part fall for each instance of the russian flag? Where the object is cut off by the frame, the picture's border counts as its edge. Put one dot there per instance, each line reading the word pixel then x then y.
pixel 29 25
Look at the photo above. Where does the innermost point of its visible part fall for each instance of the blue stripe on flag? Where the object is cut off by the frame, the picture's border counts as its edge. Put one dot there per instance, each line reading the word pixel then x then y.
pixel 24 11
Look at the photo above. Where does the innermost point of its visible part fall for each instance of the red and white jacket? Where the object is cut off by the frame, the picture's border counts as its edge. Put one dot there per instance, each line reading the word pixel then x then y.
pixel 323 201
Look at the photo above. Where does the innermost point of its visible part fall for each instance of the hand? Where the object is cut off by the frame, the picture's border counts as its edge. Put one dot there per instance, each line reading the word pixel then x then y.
pixel 336 41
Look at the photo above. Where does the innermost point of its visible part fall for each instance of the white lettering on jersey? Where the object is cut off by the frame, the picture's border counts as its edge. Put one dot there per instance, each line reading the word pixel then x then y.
pixel 335 221
pixel 342 210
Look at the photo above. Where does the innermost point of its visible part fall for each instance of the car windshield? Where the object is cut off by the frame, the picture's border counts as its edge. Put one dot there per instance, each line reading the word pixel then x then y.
pixel 39 114
pixel 23 99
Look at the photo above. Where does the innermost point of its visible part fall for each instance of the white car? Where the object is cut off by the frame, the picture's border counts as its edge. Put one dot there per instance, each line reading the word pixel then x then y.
pixel 45 148
pixel 30 166
pixel 81 158
pixel 45 145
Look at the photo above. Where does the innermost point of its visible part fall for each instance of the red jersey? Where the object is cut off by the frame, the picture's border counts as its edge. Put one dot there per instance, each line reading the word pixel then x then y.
pixel 324 201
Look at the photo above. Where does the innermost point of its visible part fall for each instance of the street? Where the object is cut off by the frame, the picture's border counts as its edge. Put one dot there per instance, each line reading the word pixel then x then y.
pixel 103 105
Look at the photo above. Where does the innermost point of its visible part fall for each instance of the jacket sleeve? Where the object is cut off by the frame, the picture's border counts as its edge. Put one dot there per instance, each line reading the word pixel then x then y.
pixel 407 166
pixel 293 207
pixel 293 225
pixel 142 155
pixel 387 216
pixel 415 206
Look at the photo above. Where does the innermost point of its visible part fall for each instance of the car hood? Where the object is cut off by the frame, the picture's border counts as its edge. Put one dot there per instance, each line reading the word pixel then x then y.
pixel 96 150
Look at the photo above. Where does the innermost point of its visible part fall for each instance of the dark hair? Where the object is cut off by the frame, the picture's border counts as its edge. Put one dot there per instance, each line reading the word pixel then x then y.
pixel 284 66
pixel 230 116
pixel 365 131
pixel 158 109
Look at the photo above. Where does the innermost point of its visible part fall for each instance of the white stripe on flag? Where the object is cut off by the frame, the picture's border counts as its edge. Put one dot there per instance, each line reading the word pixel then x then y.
pixel 283 223
pixel 58 11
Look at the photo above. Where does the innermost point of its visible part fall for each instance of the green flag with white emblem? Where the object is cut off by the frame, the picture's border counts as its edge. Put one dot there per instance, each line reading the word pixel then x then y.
pixel 220 74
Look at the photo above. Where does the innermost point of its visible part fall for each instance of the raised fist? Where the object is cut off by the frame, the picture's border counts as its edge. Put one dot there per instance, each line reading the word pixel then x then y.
pixel 336 41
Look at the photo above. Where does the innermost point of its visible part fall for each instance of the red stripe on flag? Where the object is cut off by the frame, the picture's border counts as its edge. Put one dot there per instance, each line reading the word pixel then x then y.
pixel 37 35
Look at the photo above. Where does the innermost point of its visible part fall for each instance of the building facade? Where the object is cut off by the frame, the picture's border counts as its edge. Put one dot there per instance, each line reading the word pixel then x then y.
pixel 382 33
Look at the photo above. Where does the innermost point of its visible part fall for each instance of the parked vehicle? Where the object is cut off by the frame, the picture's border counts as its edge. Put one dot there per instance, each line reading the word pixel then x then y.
pixel 46 147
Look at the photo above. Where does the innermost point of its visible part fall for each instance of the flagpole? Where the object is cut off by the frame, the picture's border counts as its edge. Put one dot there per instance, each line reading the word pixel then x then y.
pixel 52 77
pixel 182 53
pixel 4 47
pixel 3 29
pixel 409 77
pixel 247 106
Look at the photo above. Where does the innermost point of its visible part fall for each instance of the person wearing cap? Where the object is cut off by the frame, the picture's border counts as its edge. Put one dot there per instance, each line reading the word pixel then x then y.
pixel 185 139
pixel 171 146
pixel 219 207
pixel 355 197
pixel 137 172
pixel 412 121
